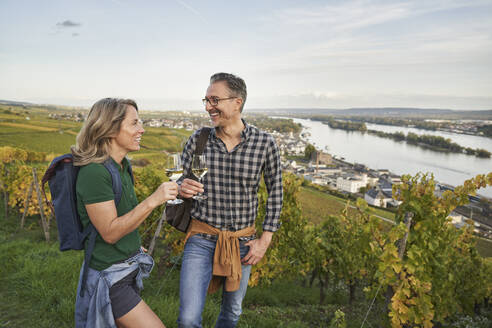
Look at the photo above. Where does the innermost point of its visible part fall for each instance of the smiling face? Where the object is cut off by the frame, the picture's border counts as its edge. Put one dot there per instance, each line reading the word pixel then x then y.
pixel 226 111
pixel 130 133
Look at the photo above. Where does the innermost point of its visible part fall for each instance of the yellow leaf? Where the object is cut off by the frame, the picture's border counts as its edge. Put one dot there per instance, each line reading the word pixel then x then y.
pixel 396 267
pixel 427 324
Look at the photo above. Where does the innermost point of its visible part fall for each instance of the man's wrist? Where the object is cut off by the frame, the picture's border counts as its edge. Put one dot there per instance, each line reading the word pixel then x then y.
pixel 266 237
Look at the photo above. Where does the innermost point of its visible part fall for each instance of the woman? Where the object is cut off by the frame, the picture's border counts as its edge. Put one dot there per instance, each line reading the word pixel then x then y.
pixel 111 294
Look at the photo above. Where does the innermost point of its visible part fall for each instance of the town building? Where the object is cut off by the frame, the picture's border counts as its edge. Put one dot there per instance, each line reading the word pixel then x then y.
pixel 351 183
pixel 377 197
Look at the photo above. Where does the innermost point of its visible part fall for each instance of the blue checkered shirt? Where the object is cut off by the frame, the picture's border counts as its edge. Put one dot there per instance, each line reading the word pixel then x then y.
pixel 233 178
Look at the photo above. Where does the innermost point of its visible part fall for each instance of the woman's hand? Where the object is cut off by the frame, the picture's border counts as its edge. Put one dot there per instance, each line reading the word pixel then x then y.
pixel 190 188
pixel 166 191
pixel 112 228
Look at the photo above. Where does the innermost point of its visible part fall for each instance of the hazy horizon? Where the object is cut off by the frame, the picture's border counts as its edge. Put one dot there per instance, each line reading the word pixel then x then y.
pixel 87 107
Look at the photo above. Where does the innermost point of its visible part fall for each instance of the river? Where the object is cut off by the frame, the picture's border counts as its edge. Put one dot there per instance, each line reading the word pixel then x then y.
pixel 400 157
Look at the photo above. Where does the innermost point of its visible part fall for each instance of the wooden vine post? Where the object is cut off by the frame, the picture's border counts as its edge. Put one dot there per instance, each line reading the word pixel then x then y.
pixel 157 232
pixel 26 206
pixel 6 194
pixel 44 223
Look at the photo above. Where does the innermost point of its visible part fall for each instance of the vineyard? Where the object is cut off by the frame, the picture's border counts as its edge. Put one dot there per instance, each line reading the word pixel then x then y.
pixel 344 268
pixel 316 204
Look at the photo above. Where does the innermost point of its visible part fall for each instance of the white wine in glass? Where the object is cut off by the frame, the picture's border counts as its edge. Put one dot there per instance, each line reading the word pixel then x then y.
pixel 174 172
pixel 199 169
pixel 200 173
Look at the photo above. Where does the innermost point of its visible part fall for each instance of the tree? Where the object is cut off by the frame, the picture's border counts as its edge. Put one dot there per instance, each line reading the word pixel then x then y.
pixel 308 151
pixel 438 271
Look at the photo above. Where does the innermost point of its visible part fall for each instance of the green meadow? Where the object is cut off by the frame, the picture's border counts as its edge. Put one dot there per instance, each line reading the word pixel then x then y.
pixel 40 282
pixel 32 129
pixel 316 205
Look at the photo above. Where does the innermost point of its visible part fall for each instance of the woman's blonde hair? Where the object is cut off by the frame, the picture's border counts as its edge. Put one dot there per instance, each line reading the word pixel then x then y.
pixel 102 124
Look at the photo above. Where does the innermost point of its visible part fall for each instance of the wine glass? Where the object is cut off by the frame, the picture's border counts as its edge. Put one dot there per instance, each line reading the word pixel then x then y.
pixel 174 172
pixel 199 168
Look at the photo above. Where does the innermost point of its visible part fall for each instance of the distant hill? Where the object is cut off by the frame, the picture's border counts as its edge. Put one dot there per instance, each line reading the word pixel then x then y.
pixel 401 112
pixel 395 111
pixel 385 111
pixel 14 103
pixel 25 104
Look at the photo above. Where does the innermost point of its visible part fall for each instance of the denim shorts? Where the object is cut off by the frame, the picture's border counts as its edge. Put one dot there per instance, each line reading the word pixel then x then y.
pixel 124 295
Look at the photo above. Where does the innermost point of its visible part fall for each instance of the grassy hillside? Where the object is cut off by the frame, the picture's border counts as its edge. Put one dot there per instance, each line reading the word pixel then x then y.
pixel 39 283
pixel 32 129
pixel 484 247
pixel 316 205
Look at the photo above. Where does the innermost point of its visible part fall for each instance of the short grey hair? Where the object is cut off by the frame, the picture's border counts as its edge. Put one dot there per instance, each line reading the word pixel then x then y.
pixel 234 83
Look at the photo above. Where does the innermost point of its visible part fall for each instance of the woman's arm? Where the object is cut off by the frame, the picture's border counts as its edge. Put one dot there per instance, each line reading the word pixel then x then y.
pixel 112 228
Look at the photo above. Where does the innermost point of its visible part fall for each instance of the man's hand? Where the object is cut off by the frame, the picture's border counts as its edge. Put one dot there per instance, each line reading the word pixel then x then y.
pixel 190 188
pixel 257 248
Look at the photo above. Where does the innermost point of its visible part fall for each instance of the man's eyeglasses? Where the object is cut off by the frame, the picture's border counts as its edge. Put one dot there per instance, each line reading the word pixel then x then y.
pixel 214 101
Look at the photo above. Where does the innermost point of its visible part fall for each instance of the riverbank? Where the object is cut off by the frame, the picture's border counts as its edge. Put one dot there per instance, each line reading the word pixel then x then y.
pixel 431 142
pixel 400 158
pixel 435 143
pixel 479 128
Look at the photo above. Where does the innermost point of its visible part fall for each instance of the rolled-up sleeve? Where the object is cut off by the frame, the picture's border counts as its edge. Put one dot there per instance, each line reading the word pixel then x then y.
pixel 273 181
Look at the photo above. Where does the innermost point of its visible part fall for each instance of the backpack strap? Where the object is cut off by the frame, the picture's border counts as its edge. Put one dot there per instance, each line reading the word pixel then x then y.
pixel 90 230
pixel 116 180
pixel 130 171
pixel 202 140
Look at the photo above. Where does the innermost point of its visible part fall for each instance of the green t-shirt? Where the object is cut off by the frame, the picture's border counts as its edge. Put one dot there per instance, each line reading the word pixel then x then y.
pixel 94 185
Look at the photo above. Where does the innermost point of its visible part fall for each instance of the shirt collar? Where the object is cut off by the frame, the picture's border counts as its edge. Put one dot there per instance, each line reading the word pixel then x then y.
pixel 124 164
pixel 245 133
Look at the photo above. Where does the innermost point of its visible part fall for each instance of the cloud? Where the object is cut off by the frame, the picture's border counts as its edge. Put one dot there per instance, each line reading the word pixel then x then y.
pixel 344 16
pixel 193 10
pixel 75 34
pixel 67 24
pixel 332 37
pixel 357 14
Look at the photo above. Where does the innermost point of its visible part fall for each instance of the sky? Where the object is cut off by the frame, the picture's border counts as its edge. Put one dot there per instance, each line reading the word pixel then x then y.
pixel 292 54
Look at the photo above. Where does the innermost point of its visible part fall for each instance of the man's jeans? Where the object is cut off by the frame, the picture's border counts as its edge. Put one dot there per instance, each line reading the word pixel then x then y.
pixel 196 273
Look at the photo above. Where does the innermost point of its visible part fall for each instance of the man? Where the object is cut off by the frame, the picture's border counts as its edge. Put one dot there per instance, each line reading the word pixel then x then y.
pixel 221 243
